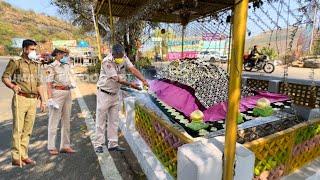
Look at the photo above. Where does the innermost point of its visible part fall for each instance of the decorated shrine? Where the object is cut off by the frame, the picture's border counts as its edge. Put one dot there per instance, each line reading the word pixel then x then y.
pixel 199 120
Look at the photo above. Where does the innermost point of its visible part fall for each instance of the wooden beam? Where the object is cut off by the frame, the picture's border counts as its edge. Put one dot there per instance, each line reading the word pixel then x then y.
pixel 98 7
pixel 119 10
pixel 130 9
pixel 215 2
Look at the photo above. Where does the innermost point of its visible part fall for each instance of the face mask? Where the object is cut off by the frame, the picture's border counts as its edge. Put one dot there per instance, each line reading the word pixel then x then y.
pixel 118 60
pixel 64 60
pixel 32 55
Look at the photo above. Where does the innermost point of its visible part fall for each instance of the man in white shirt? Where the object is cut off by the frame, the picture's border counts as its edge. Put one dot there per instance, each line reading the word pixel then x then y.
pixel 109 83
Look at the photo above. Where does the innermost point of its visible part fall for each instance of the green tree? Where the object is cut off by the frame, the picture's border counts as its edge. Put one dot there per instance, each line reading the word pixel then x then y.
pixel 80 12
pixel 316 50
pixel 271 52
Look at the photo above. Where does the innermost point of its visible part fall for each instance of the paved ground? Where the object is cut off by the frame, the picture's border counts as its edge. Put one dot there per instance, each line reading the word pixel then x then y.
pixel 293 72
pixel 5 94
pixel 126 163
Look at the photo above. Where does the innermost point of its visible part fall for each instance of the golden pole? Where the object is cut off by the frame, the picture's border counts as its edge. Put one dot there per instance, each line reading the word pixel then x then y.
pixel 229 46
pixel 182 41
pixel 111 22
pixel 95 22
pixel 238 34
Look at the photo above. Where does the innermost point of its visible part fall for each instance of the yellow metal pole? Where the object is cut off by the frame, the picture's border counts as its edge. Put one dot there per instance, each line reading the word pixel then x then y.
pixel 182 41
pixel 111 22
pixel 238 34
pixel 95 22
pixel 229 46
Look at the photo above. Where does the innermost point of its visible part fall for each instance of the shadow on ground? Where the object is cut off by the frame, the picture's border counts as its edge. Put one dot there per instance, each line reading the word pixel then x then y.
pixel 126 163
pixel 81 165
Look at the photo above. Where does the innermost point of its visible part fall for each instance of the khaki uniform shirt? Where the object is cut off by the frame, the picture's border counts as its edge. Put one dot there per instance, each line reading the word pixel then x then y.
pixel 24 73
pixel 59 74
pixel 110 69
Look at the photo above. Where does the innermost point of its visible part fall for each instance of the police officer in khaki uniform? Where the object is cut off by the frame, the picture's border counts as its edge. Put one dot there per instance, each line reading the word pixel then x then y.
pixel 110 80
pixel 23 77
pixel 59 98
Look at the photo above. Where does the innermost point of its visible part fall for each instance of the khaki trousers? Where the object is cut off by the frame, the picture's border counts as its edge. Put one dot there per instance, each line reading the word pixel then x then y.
pixel 63 99
pixel 26 114
pixel 107 105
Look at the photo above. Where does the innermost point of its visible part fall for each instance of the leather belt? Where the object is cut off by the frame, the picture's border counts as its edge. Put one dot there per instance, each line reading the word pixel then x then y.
pixel 61 87
pixel 109 93
pixel 28 95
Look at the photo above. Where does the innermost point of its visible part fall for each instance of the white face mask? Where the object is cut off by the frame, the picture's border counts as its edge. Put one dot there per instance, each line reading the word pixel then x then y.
pixel 32 55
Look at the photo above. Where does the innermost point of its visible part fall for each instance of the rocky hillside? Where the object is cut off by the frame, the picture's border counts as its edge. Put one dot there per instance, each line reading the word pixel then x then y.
pixel 18 23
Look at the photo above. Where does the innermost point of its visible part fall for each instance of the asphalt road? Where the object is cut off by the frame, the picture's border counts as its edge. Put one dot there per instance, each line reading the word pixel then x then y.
pixel 293 72
pixel 5 94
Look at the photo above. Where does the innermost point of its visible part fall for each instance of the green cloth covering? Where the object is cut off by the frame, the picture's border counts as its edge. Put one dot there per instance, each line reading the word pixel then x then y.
pixel 240 119
pixel 264 112
pixel 196 126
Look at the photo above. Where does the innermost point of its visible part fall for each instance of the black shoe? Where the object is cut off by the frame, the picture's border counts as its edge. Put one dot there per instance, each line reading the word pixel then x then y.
pixel 99 149
pixel 117 148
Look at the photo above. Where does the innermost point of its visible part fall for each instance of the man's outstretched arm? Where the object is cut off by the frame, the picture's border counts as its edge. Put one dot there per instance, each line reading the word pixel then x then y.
pixel 126 83
pixel 138 74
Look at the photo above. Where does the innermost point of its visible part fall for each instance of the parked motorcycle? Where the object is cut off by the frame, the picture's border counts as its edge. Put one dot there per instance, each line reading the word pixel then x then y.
pixel 262 64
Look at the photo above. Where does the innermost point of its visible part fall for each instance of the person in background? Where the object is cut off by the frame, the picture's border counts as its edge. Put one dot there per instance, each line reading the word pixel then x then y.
pixel 22 76
pixel 255 55
pixel 59 101
pixel 111 78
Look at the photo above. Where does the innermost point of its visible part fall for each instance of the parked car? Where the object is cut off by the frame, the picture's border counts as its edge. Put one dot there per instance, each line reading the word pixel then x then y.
pixel 223 59
pixel 209 55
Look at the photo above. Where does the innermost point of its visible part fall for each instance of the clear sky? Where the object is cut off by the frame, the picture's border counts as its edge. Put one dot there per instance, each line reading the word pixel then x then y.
pixel 40 6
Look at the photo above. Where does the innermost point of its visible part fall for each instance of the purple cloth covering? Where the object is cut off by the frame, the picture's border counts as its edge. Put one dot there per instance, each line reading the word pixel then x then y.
pixel 183 101
pixel 174 96
pixel 219 111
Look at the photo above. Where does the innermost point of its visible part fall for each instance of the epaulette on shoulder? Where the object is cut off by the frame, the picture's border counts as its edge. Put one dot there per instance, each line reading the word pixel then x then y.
pixel 16 58
pixel 53 64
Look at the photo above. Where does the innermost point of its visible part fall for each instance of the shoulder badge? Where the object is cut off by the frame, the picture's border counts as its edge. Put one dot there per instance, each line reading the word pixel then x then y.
pixel 16 58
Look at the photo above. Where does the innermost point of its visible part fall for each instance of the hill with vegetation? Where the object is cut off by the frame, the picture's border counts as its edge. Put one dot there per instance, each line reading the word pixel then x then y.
pixel 18 23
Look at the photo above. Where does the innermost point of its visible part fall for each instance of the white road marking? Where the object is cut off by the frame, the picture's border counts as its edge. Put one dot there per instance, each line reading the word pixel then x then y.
pixel 6 124
pixel 107 165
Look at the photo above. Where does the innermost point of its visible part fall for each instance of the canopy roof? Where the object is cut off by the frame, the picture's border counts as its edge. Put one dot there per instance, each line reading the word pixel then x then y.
pixel 169 11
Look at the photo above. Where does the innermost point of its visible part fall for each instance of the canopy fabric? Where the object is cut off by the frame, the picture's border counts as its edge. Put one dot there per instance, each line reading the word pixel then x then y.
pixel 169 11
